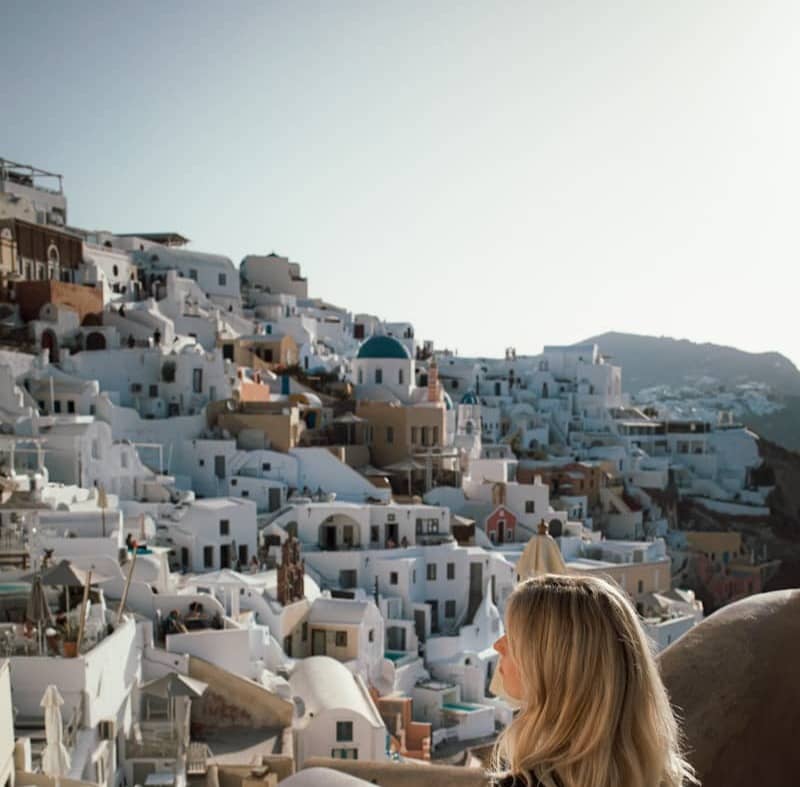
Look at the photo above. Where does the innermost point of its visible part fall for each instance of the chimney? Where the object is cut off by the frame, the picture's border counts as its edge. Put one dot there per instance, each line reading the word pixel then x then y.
pixel 434 389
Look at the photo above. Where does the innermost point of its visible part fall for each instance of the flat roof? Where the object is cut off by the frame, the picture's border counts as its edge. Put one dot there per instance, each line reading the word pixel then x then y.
pixel 165 238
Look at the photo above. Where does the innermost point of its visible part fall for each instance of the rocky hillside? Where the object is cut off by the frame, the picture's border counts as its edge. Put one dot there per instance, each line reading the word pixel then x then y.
pixel 649 361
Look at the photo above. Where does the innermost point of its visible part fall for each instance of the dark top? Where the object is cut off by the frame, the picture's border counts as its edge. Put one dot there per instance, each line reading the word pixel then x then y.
pixel 517 781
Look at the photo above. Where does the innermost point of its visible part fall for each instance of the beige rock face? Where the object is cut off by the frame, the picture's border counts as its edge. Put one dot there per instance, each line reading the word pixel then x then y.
pixel 735 679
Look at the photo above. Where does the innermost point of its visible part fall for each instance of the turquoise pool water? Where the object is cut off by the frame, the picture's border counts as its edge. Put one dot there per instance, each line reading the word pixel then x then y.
pixel 394 655
pixel 14 588
pixel 459 706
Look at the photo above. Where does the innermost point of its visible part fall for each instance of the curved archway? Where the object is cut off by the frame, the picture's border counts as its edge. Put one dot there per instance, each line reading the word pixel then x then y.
pixel 339 531
pixel 95 341
pixel 556 528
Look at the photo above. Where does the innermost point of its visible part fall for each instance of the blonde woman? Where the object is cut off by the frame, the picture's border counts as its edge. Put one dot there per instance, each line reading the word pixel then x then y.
pixel 593 709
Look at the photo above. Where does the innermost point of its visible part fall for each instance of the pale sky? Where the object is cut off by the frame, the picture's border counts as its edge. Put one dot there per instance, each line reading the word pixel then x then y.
pixel 498 173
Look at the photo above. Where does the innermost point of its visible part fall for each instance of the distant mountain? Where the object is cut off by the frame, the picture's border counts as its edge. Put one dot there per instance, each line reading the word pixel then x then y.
pixel 652 360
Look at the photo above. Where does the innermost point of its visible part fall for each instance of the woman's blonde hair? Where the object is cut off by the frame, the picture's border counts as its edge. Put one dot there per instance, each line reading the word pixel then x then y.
pixel 595 712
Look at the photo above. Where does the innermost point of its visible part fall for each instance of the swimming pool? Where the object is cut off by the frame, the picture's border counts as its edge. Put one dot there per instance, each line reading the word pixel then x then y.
pixel 460 706
pixel 394 655
pixel 14 588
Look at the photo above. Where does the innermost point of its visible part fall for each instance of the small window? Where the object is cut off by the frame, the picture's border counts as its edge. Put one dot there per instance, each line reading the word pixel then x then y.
pixel 449 609
pixel 234 481
pixel 304 632
pixel 371 635
pixel 153 391
pixel 71 406
pixel 530 507
pixel 390 434
pixel 57 406
pixel 641 586
pixel 341 639
pixel 266 467
pixel 201 463
pixel 222 279
pixel 344 731
pixel 197 380
pixel 451 570
pixel 208 557
pixel 245 493
pixel 393 578
pixel 224 527
pixel 431 571
pixel 115 270
pixel 400 376
pixel 378 376
pixel 193 274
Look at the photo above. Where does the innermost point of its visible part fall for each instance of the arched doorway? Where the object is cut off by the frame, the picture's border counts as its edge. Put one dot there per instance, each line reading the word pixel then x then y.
pixel 50 342
pixel 95 341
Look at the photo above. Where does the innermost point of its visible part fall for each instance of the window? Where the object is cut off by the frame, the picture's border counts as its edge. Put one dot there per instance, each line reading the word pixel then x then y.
pixel 435 438
pixel 123 458
pixel 57 406
pixel 245 493
pixel 341 639
pixel 414 435
pixel 344 731
pixel 208 557
pixel 374 534
pixel 393 578
pixel 224 527
pixel 304 632
pixel 390 434
pixel 449 609
pixel 378 376
pixel 360 376
pixel 71 406
pixel 641 586
pixel 451 570
pixel 197 380
pixel 201 462
pixel 153 391
pixel 193 274
pixel 371 635
pixel 344 754
pixel 400 376
pixel 530 507
pixel 266 467
pixel 431 571
pixel 222 279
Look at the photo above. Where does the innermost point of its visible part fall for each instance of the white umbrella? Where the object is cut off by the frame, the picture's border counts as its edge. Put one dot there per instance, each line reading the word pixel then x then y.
pixel 55 757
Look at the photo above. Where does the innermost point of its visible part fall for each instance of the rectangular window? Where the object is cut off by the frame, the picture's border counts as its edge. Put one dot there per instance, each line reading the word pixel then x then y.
pixel 208 557
pixel 389 434
pixel 70 406
pixel 341 639
pixel 224 527
pixel 304 632
pixel 222 279
pixel 451 570
pixel 193 274
pixel 435 440
pixel 414 435
pixel 419 527
pixel 641 586
pixel 530 507
pixel 153 391
pixel 374 534
pixel 371 635
pixel 57 406
pixel 378 376
pixel 393 578
pixel 197 380
pixel 344 731
pixel 266 467
pixel 431 571
pixel 449 609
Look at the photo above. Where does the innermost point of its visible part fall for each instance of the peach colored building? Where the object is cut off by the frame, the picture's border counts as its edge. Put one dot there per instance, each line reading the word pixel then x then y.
pixel 273 350
pixel 398 431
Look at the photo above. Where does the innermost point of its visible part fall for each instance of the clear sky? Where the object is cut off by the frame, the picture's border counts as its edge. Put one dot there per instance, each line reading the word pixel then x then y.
pixel 498 173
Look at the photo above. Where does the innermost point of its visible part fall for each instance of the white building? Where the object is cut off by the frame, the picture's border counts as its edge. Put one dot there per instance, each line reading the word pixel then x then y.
pixel 335 715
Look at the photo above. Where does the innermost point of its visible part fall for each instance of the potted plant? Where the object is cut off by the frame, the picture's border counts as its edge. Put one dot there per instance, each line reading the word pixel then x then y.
pixel 69 638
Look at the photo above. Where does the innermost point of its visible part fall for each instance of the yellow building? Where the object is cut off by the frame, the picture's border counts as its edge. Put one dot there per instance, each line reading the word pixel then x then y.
pixel 399 431
pixel 271 349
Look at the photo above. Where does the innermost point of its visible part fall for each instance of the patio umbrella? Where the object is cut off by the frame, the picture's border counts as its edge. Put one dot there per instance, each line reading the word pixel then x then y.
pixel 174 685
pixel 405 466
pixel 55 757
pixel 37 610
pixel 66 575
